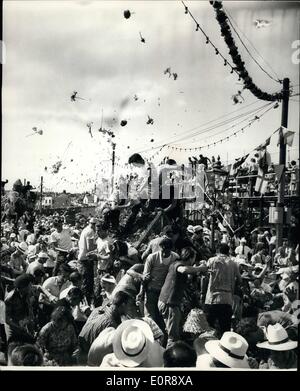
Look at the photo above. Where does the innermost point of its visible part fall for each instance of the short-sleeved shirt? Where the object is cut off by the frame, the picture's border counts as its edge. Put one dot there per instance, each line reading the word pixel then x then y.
pixel 257 258
pixel 87 242
pixel 128 284
pixel 62 239
pixel 223 273
pixel 154 244
pixel 242 251
pixel 103 249
pixel 52 286
pixel 173 288
pixel 158 268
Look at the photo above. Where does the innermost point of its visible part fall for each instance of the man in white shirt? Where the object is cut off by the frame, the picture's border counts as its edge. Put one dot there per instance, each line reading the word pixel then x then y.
pixel 61 237
pixel 103 250
pixel 38 263
pixel 54 285
pixel 242 251
pixel 87 244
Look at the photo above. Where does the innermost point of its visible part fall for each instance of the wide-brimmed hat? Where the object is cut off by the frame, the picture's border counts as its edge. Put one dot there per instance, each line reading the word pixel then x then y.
pixel 258 266
pixel 190 228
pixel 194 228
pixel 73 264
pixel 42 254
pixel 109 278
pixel 132 342
pixel 229 350
pixel 198 228
pixel 278 339
pixel 22 247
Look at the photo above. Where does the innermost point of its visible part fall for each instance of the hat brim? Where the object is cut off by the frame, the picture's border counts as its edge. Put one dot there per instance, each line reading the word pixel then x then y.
pixel 117 345
pixel 215 351
pixel 289 345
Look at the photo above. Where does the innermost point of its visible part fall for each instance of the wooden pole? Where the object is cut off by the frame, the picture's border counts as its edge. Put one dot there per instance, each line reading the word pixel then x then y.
pixel 41 195
pixel 282 160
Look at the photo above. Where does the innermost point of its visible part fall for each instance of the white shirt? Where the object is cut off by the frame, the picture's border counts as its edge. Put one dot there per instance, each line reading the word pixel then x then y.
pixel 242 251
pixel 62 239
pixel 103 249
pixel 86 242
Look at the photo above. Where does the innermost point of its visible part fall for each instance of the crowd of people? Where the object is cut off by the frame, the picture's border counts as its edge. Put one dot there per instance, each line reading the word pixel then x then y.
pixel 88 294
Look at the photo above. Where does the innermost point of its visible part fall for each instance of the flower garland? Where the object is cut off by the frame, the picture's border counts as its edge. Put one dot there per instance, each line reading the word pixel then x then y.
pixel 234 53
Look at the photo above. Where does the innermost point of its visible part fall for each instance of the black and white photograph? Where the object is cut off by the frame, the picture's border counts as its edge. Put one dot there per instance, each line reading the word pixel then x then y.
pixel 150 187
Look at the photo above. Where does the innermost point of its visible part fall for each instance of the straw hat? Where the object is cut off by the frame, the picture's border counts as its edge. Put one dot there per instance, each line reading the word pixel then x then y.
pixel 109 278
pixel 190 229
pixel 229 350
pixel 22 247
pixel 42 254
pixel 132 342
pixel 258 266
pixel 278 339
pixel 73 264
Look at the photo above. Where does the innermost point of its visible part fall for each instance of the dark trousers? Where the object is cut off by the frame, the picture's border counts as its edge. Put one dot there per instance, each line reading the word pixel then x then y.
pixel 220 312
pixel 86 269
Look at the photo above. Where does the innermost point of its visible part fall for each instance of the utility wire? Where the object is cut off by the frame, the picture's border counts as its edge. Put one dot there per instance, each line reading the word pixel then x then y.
pixel 233 126
pixel 249 114
pixel 248 51
pixel 219 125
pixel 231 21
pixel 206 129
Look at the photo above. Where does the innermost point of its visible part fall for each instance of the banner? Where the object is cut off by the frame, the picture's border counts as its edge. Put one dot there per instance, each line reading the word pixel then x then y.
pixel 278 168
pixel 261 182
pixel 288 136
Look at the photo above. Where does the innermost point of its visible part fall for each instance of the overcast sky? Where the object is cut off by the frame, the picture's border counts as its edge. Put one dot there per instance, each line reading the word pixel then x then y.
pixel 54 48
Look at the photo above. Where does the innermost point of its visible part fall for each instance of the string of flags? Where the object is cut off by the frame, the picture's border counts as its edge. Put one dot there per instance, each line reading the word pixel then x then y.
pixel 288 136
pixel 213 144
pixel 208 41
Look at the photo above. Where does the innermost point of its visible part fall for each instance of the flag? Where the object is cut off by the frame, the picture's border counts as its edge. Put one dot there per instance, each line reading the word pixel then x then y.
pixel 263 161
pixel 261 182
pixel 278 168
pixel 237 164
pixel 263 145
pixel 288 136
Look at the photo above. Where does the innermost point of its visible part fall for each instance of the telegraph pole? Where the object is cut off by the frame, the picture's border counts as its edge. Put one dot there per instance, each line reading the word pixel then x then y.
pixel 41 195
pixel 113 166
pixel 282 160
